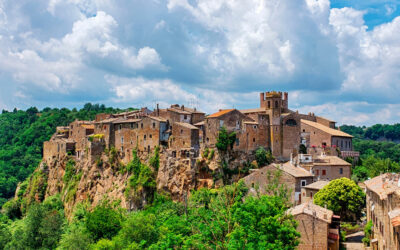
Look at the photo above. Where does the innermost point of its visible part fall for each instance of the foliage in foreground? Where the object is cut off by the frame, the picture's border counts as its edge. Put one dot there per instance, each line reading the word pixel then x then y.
pixel 211 219
pixel 344 197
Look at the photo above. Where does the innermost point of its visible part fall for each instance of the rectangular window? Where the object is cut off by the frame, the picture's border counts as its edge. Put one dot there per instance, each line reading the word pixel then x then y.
pixel 120 126
pixel 154 125
pixel 303 183
pixel 340 170
pixel 237 142
pixel 221 123
pixel 122 140
pixel 132 125
pixel 324 172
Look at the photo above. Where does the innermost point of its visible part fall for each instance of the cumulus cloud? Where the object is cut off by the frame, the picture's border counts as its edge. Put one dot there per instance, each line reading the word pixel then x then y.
pixel 211 53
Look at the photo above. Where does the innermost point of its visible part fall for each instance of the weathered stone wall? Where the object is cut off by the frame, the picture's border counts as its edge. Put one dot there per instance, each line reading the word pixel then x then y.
pixel 314 232
pixel 148 134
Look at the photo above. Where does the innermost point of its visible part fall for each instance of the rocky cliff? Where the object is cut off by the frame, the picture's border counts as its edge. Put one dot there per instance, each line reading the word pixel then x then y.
pixel 132 185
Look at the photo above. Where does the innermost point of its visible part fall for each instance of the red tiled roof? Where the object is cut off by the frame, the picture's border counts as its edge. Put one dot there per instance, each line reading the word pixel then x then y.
pixel 220 113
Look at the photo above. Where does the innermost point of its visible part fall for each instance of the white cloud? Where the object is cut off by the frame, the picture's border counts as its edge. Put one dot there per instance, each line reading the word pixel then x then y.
pixel 57 65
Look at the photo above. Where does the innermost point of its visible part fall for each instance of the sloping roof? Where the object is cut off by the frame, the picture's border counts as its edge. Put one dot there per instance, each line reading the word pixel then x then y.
pixel 331 131
pixel 313 210
pixel 318 185
pixel 109 120
pixel 384 184
pixel 157 118
pixel 328 160
pixel 194 111
pixel 199 123
pixel 220 113
pixel 289 168
pixel 256 110
pixel 88 126
pixel 329 120
pixel 179 111
pixel 119 121
pixel 186 125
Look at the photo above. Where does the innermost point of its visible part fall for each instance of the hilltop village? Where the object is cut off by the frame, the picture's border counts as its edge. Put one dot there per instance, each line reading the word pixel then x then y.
pixel 308 149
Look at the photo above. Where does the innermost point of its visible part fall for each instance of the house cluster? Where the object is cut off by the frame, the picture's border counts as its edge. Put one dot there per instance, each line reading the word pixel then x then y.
pixel 383 209
pixel 310 149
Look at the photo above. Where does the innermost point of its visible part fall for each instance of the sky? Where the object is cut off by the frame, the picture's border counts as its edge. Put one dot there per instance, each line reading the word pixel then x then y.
pixel 339 59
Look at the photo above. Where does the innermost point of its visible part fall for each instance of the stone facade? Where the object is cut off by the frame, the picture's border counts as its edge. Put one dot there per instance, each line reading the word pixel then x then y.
pixel 325 167
pixel 293 177
pixel 318 227
pixel 383 209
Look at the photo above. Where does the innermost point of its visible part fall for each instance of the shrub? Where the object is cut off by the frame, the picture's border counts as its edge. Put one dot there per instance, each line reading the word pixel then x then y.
pixel 368 233
pixel 225 140
pixel 103 222
pixel 263 157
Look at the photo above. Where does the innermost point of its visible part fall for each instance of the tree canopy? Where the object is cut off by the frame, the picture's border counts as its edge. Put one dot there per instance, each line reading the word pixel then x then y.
pixel 344 197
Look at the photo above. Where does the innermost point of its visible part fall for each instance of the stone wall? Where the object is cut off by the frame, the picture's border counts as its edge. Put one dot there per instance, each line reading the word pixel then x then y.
pixel 314 232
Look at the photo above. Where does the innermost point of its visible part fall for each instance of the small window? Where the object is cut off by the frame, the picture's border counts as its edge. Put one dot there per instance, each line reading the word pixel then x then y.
pixel 221 123
pixel 324 172
pixel 255 126
pixel 304 130
pixel 340 170
pixel 311 194
pixel 122 140
pixel 185 117
pixel 269 104
pixel 151 136
pixel 207 139
pixel 237 142
pixel 183 142
pixel 144 137
pixel 141 125
pixel 254 139
pixel 132 125
pixel 181 131
pixel 291 122
pixel 154 125
pixel 303 183
pixel 122 148
pixel 105 127
pixel 120 126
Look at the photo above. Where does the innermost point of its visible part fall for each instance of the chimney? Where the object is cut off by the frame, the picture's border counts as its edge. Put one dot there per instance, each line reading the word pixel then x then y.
pixel 158 110
pixel 183 107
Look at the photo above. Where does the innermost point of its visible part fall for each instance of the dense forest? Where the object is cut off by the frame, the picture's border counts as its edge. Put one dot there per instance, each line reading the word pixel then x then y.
pixel 378 147
pixel 22 134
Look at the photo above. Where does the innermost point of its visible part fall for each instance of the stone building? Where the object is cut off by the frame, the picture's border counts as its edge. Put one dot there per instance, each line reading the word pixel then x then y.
pixel 126 136
pixel 293 177
pixel 177 113
pixel 383 209
pixel 184 136
pixel 233 120
pixel 325 167
pixel 152 132
pixel 308 191
pixel 79 132
pixel 282 124
pixel 317 135
pixel 318 227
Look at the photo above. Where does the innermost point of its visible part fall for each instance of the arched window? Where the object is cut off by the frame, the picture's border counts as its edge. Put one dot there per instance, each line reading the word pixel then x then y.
pixel 291 122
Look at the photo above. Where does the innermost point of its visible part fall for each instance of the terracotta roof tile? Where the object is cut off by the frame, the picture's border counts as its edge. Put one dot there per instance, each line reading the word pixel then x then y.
pixel 220 113
pixel 331 131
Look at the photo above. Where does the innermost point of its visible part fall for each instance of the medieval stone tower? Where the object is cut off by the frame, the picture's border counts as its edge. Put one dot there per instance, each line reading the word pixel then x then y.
pixel 275 103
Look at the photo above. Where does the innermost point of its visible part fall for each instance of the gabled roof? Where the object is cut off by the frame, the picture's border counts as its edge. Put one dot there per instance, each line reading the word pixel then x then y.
pixel 157 118
pixel 119 121
pixel 313 210
pixel 294 171
pixel 318 185
pixel 179 111
pixel 331 131
pixel 199 123
pixel 109 120
pixel 329 160
pixel 186 125
pixel 220 113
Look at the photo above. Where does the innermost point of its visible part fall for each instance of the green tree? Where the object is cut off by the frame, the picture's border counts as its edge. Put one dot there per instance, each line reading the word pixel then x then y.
pixel 225 140
pixel 344 197
pixel 103 222
pixel 263 157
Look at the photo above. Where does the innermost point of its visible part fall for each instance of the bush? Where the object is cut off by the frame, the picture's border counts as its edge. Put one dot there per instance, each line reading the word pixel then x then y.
pixel 103 222
pixel 263 157
pixel 368 233
pixel 225 140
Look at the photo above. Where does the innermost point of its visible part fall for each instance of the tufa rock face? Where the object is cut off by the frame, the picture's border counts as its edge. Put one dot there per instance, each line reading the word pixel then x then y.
pixel 92 181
